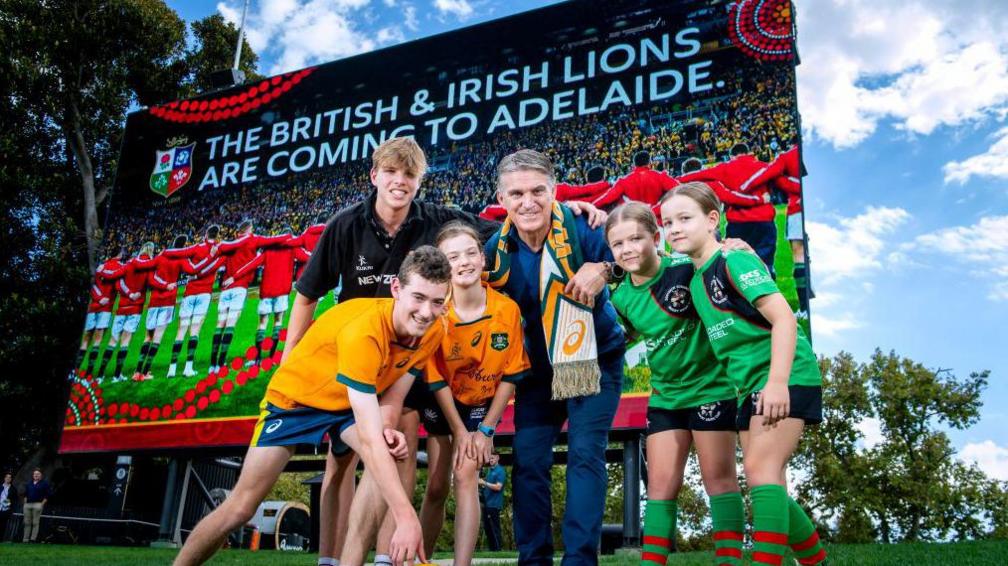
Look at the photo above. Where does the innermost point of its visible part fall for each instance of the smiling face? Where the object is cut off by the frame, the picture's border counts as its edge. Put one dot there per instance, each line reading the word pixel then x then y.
pixel 418 303
pixel 396 185
pixel 528 197
pixel 632 247
pixel 37 475
pixel 687 228
pixel 466 259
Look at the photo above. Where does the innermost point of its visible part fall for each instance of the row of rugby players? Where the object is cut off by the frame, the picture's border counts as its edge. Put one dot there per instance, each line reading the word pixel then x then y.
pixel 196 268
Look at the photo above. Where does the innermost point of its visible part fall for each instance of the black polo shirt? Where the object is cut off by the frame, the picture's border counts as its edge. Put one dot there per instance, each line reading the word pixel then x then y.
pixel 356 248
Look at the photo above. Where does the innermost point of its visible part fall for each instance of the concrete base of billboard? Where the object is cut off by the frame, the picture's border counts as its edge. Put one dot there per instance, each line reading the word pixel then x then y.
pixel 165 544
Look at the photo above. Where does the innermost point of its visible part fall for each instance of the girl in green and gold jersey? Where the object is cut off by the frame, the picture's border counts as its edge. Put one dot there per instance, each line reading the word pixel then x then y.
pixel 753 332
pixel 693 401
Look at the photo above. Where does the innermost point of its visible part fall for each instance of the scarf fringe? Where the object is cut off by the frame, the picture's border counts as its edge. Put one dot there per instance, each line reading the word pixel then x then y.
pixel 576 379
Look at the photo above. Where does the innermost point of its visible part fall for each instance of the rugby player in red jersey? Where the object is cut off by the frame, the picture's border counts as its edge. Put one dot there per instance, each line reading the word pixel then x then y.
pixel 99 313
pixel 277 260
pixel 132 289
pixel 195 300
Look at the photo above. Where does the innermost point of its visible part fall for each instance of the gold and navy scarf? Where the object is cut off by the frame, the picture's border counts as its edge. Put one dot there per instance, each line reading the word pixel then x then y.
pixel 567 324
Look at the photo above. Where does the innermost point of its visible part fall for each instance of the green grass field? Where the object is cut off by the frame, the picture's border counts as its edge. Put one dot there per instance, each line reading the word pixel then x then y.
pixel 246 392
pixel 974 553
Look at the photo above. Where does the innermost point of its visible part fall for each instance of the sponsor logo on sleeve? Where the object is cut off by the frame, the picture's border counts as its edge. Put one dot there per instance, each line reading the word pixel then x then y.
pixel 753 278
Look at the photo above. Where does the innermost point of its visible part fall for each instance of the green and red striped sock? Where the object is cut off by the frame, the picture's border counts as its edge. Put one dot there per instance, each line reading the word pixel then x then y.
pixel 659 531
pixel 728 519
pixel 770 524
pixel 802 536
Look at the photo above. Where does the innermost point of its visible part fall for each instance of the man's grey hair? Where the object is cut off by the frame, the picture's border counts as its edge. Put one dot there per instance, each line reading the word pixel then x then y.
pixel 526 160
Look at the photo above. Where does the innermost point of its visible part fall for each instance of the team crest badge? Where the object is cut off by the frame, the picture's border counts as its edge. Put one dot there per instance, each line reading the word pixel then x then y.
pixel 677 299
pixel 499 341
pixel 172 167
pixel 717 291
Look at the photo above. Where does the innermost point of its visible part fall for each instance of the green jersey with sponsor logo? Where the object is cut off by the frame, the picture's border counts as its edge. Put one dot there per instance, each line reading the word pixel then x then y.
pixel 724 291
pixel 684 370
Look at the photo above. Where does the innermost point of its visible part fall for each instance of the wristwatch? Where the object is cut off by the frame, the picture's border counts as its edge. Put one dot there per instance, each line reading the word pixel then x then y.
pixel 487 430
pixel 613 272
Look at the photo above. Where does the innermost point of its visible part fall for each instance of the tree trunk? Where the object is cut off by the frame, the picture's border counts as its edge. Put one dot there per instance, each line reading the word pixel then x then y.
pixel 75 141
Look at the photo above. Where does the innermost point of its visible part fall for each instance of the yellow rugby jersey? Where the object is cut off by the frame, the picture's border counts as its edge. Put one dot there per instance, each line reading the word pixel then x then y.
pixel 475 356
pixel 352 345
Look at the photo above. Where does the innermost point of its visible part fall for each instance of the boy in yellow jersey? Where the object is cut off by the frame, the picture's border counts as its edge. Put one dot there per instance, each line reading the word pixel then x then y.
pixel 473 377
pixel 347 376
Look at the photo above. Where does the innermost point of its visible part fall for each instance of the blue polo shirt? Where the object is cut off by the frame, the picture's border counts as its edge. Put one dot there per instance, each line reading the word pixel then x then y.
pixel 495 499
pixel 523 288
pixel 37 492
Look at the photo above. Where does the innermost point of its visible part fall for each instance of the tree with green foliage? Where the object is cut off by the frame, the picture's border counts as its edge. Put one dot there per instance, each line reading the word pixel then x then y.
pixel 71 70
pixel 910 486
pixel 214 50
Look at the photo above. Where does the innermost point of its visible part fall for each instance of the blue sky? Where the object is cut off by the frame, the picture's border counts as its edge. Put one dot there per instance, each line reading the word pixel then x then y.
pixel 905 120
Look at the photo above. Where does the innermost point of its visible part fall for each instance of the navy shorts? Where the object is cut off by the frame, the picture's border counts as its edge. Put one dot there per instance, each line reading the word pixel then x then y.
pixel 419 396
pixel 716 416
pixel 806 404
pixel 762 236
pixel 437 425
pixel 303 425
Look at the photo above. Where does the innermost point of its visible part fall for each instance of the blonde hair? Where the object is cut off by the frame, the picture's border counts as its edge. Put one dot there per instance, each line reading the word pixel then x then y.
pixel 400 152
pixel 697 191
pixel 457 228
pixel 635 211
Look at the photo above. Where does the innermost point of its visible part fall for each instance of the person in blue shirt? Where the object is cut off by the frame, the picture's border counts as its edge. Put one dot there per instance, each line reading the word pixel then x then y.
pixel 576 349
pixel 37 493
pixel 493 501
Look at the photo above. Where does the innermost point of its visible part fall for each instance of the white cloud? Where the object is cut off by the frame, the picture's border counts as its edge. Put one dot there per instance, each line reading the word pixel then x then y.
pixel 871 432
pixel 826 325
pixel 390 34
pixel 989 457
pixel 852 246
pixel 992 163
pixel 461 9
pixel 298 33
pixel 410 17
pixel 845 253
pixel 983 247
pixel 921 64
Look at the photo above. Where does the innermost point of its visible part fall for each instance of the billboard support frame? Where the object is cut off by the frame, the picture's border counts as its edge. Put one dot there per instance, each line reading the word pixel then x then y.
pixel 631 492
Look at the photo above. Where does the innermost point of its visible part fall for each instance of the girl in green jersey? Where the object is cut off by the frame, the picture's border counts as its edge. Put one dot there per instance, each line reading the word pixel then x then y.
pixel 693 401
pixel 753 332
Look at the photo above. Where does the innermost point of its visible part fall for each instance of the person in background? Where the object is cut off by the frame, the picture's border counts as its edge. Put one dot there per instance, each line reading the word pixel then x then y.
pixel 7 493
pixel 493 497
pixel 37 493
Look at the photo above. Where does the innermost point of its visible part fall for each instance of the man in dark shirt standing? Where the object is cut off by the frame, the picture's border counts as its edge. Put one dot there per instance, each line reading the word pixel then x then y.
pixel 493 497
pixel 37 493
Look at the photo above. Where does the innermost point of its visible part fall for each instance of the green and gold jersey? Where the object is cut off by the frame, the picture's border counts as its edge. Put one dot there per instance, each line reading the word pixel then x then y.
pixel 684 370
pixel 724 291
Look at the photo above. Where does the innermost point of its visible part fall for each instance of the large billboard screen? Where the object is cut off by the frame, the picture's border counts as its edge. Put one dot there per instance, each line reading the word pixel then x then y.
pixel 700 89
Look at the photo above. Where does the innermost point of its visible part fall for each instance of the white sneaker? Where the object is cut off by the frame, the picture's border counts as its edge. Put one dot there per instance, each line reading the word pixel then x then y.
pixel 188 371
pixel 171 371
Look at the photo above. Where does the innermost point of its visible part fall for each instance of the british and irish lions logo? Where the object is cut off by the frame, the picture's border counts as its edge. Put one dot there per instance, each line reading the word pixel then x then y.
pixel 172 167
